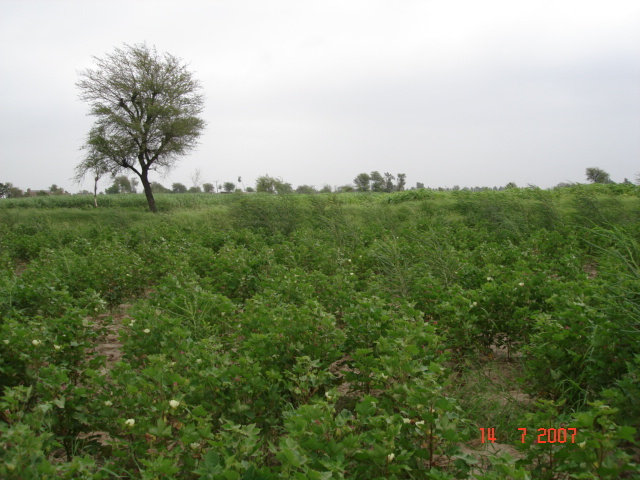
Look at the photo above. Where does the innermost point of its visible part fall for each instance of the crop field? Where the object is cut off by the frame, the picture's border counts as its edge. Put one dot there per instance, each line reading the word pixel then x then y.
pixel 413 335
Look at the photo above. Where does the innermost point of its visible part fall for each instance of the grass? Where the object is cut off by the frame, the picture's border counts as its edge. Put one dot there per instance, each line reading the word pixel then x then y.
pixel 490 395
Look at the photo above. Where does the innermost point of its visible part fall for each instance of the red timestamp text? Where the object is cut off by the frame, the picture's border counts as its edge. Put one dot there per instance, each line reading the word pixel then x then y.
pixel 544 435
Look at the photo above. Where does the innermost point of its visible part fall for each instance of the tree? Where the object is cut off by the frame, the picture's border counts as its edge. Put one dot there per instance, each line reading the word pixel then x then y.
pixel 229 187
pixel 112 190
pixel 4 189
pixel 597 175
pixel 121 184
pixel 178 188
pixel 124 184
pixel 159 188
pixel 55 190
pixel 388 182
pixel 196 178
pixel 15 192
pixel 207 187
pixel 146 107
pixel 377 182
pixel 267 184
pixel 283 187
pixel 326 189
pixel 307 189
pixel 402 181
pixel 93 164
pixel 362 182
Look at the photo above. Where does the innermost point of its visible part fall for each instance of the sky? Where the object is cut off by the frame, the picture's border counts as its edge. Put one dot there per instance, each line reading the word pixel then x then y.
pixel 449 92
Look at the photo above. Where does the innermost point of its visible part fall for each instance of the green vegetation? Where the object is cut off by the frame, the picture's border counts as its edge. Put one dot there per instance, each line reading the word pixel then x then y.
pixel 353 335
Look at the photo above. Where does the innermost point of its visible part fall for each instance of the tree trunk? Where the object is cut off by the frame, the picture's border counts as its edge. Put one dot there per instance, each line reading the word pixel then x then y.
pixel 147 191
pixel 95 192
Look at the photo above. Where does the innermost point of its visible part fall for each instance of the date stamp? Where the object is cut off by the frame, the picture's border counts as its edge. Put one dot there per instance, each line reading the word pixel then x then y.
pixel 544 435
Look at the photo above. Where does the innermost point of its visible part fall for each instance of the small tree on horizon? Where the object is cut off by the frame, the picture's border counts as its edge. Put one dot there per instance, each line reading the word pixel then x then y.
pixel 178 188
pixel 159 188
pixel 402 181
pixel 362 182
pixel 597 175
pixel 377 182
pixel 267 184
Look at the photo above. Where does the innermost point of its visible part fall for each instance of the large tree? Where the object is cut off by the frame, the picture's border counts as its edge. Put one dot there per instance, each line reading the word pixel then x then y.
pixel 147 108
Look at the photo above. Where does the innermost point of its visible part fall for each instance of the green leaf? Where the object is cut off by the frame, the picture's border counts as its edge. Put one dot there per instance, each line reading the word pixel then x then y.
pixel 367 407
pixel 290 457
pixel 626 433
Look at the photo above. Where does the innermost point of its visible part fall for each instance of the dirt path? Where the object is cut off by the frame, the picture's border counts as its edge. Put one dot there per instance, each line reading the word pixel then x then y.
pixel 109 345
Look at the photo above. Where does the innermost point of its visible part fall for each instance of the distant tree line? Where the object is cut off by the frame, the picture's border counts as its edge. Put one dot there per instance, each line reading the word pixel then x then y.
pixel 364 182
pixel 8 190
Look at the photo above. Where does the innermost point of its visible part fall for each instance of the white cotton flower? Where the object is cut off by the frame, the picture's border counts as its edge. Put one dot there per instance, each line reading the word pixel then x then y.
pixel 146 330
pixel 108 403
pixel 57 347
pixel 130 422
pixel 521 284
pixel 390 457
pixel 198 361
pixel 489 279
pixel 36 342
pixel 174 404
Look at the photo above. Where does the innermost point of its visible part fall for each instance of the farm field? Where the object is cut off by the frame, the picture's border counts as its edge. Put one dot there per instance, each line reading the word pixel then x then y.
pixel 322 336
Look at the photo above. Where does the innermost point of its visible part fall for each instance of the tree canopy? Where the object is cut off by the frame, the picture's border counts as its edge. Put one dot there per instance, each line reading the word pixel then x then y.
pixel 147 108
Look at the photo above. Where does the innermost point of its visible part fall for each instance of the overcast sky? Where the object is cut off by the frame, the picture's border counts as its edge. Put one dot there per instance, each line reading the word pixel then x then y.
pixel 451 92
